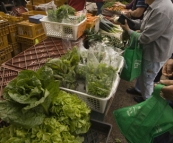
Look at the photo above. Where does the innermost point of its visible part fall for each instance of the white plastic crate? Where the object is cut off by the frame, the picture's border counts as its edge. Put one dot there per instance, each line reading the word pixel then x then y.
pixel 96 103
pixel 63 30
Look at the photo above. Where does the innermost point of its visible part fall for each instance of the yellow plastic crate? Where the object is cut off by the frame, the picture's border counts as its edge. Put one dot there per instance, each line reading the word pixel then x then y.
pixel 5 54
pixel 3 22
pixel 59 2
pixel 29 30
pixel 12 37
pixel 16 49
pixel 48 1
pixel 12 28
pixel 25 46
pixel 3 41
pixel 26 15
pixel 31 41
pixel 4 31
pixel 36 2
pixel 29 6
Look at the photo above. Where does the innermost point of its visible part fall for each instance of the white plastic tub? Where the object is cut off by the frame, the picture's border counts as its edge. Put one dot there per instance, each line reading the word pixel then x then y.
pixel 63 30
pixel 96 103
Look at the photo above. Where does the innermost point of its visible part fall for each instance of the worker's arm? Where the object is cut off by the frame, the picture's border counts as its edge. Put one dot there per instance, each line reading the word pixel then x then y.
pixel 135 13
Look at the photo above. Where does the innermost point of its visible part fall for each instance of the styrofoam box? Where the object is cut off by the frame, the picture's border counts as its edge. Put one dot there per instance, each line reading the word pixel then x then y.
pixel 63 30
pixel 96 103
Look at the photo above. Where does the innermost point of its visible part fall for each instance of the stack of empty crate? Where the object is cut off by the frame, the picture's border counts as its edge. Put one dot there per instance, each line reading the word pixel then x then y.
pixel 29 34
pixel 5 48
pixel 12 39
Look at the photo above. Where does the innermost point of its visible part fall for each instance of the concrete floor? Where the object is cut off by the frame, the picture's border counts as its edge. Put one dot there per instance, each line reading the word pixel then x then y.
pixel 121 99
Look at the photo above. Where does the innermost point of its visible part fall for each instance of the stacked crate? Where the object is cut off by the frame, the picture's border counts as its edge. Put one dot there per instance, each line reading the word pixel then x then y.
pixel 29 34
pixel 59 2
pixel 5 49
pixel 12 39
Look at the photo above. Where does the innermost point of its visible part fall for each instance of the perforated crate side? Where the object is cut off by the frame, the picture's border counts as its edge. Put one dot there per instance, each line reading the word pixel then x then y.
pixel 3 23
pixel 29 6
pixel 31 41
pixel 94 102
pixel 29 30
pixel 3 41
pixel 12 37
pixel 62 30
pixel 6 75
pixel 36 56
pixel 12 28
pixel 59 2
pixel 4 31
pixel 35 2
pixel 16 49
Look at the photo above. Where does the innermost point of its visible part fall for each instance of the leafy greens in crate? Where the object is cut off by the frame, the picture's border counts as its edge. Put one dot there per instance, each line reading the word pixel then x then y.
pixel 65 14
pixel 64 68
pixel 39 112
pixel 99 79
pixel 93 37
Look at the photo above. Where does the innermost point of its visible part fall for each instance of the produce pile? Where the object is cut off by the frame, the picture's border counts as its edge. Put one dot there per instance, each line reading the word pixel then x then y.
pixel 39 112
pixel 110 6
pixel 93 37
pixel 65 14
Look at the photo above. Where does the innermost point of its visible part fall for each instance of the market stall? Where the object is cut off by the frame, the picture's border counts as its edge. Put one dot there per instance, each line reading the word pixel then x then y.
pixel 76 56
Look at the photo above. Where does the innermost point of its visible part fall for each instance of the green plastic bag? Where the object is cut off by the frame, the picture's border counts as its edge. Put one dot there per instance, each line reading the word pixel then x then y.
pixel 142 122
pixel 133 57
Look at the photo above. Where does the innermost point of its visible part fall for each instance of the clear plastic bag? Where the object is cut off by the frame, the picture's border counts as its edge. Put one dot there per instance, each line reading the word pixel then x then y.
pixel 83 53
pixel 66 43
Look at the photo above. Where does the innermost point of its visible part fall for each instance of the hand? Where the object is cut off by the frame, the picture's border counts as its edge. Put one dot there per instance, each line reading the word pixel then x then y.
pixel 127 14
pixel 167 90
pixel 167 69
pixel 125 26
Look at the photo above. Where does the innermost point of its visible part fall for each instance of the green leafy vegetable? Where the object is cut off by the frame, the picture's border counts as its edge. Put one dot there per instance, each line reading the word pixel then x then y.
pixel 31 96
pixel 71 111
pixel 99 80
pixel 64 68
pixel 51 131
pixel 61 13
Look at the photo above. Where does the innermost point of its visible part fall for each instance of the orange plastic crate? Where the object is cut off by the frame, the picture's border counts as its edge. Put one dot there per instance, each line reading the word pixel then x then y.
pixel 29 30
pixel 26 15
